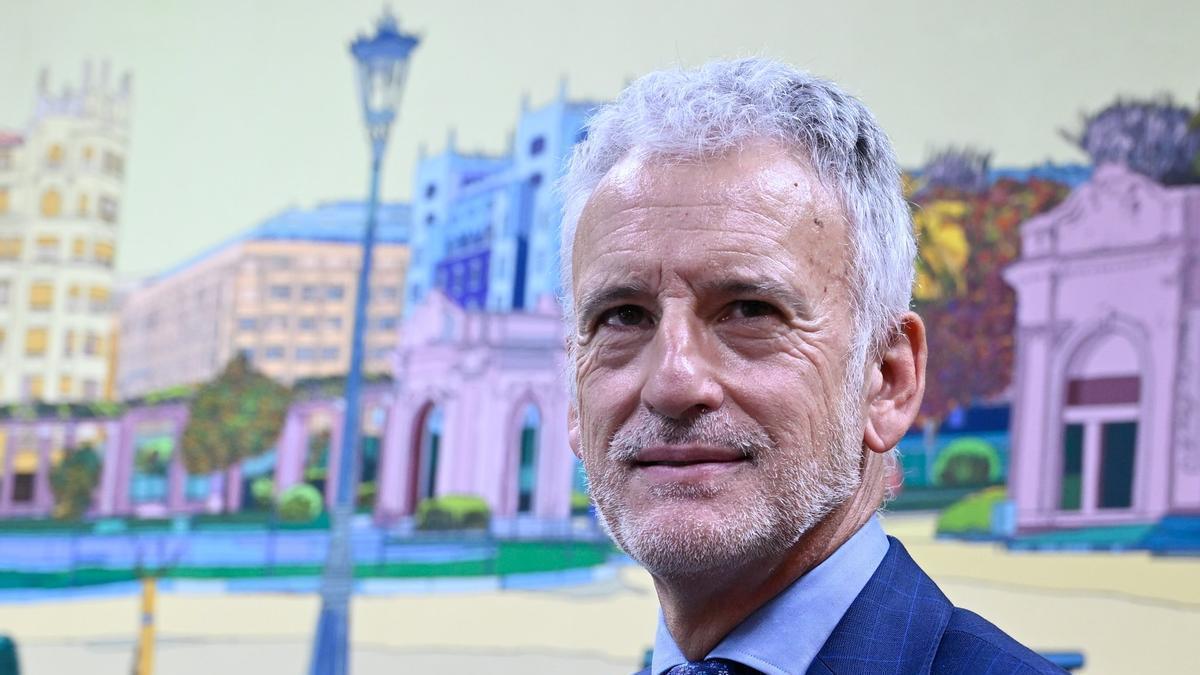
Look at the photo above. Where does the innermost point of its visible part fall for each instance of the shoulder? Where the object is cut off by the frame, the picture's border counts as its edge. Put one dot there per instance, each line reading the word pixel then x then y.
pixel 972 644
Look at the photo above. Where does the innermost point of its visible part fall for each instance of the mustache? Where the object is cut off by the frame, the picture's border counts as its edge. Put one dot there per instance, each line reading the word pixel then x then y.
pixel 715 429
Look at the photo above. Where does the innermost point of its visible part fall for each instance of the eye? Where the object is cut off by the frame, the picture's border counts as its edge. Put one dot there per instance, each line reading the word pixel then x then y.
pixel 625 316
pixel 749 309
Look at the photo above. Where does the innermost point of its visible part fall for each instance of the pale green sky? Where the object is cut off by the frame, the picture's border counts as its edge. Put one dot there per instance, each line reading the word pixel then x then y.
pixel 244 108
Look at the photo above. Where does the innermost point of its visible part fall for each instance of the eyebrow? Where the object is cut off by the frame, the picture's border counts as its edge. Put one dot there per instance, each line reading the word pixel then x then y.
pixel 762 288
pixel 593 301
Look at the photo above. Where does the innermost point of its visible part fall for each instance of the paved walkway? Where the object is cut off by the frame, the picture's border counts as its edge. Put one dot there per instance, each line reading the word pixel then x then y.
pixel 1130 613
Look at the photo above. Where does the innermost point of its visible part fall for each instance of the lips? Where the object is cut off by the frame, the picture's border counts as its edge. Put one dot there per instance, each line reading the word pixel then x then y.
pixel 687 463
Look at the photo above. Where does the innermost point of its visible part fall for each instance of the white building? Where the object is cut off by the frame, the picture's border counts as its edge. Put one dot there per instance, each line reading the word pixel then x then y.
pixel 61 183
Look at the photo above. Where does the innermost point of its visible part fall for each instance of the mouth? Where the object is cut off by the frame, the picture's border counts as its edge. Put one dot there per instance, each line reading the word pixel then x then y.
pixel 687 464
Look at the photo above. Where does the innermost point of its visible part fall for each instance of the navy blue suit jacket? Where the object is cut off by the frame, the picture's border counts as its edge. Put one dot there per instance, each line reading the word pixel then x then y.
pixel 902 624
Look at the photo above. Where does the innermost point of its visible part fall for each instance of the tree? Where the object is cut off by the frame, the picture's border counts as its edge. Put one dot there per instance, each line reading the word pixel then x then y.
pixel 1156 138
pixel 236 416
pixel 73 481
pixel 970 322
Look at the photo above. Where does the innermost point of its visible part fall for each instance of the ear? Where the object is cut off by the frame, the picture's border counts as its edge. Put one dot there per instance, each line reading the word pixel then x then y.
pixel 573 428
pixel 895 388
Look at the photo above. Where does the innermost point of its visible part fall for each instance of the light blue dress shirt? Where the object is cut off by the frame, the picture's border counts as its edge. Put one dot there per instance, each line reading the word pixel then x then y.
pixel 783 636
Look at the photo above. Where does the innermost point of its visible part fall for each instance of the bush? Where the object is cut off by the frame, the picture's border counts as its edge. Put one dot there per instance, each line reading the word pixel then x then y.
pixel 580 503
pixel 366 495
pixel 973 513
pixel 300 504
pixel 453 512
pixel 263 491
pixel 967 462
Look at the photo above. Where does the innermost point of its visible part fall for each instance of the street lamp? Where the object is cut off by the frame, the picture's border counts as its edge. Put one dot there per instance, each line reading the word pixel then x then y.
pixel 382 62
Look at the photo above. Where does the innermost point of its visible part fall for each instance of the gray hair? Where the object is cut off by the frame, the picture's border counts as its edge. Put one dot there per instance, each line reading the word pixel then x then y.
pixel 717 108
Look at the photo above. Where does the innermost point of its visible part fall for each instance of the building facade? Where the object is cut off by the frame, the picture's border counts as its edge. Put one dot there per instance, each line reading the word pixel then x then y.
pixel 61 184
pixel 283 292
pixel 1106 429
pixel 486 229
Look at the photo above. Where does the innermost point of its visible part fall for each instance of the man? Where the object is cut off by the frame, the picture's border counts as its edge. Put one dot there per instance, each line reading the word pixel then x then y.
pixel 738 264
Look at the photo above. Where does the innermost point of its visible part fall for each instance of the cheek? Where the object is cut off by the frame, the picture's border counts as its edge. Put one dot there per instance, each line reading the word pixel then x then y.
pixel 607 397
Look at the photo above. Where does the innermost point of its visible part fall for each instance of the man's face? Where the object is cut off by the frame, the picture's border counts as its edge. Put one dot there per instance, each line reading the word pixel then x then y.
pixel 718 415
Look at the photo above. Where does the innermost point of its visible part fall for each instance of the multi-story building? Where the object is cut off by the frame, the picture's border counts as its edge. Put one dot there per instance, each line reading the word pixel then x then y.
pixel 486 229
pixel 61 183
pixel 283 293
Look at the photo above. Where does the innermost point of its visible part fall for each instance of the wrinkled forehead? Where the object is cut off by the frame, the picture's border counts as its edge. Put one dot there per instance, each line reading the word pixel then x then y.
pixel 770 184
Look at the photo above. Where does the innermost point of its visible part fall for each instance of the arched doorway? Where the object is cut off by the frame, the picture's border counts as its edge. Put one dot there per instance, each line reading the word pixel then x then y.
pixel 426 447
pixel 527 452
pixel 1100 422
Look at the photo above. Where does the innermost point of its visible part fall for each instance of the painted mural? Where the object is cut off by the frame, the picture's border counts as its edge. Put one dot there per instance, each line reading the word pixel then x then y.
pixel 171 445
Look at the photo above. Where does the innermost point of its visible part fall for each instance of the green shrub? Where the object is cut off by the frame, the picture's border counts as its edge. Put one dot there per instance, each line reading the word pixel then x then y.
pixel 300 503
pixel 453 512
pixel 366 494
pixel 973 513
pixel 263 491
pixel 580 503
pixel 967 462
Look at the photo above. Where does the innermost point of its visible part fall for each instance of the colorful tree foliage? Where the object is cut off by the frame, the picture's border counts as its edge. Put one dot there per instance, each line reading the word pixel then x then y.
pixel 73 482
pixel 235 416
pixel 967 238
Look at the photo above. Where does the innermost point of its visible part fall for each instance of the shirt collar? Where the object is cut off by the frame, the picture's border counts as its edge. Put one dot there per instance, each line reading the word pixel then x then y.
pixel 783 636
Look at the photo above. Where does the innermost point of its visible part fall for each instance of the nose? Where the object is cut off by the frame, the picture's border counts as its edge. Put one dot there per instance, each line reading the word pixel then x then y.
pixel 680 381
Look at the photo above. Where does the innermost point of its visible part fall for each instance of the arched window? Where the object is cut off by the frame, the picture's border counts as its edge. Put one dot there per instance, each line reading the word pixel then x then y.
pixel 527 466
pixel 428 448
pixel 1101 410
pixel 51 203
pixel 54 155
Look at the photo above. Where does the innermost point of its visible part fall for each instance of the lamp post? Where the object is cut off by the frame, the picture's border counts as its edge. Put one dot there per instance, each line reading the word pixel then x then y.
pixel 382 62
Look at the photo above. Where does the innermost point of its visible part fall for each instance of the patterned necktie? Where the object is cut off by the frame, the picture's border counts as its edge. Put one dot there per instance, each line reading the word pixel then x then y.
pixel 712 667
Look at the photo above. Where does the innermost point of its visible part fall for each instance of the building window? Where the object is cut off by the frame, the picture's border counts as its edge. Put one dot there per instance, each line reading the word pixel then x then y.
pixel 114 165
pixel 537 145
pixel 306 353
pixel 335 292
pixel 69 343
pixel 103 253
pixel 91 390
pixel 46 250
pixel 334 323
pixel 10 249
pixel 330 353
pixel 35 342
pixel 81 206
pixel 3 335
pixel 88 154
pixel 108 209
pixel 98 297
pixel 22 487
pixel 279 292
pixel 51 203
pixel 247 323
pixel 535 180
pixel 73 299
pixel 385 323
pixel 4 291
pixel 430 191
pixel 54 156
pixel 65 386
pixel 310 293
pixel 91 344
pixel 41 296
pixel 78 248
pixel 3 200
pixel 429 219
pixel 307 323
pixel 273 353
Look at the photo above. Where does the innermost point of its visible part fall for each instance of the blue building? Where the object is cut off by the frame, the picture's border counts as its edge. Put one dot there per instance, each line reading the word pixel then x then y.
pixel 485 229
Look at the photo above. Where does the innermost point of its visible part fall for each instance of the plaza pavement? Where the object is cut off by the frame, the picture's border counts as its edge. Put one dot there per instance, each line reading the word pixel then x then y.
pixel 1129 613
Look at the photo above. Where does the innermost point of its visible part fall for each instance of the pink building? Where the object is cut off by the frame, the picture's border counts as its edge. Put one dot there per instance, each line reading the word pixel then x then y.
pixel 1106 412
pixel 477 405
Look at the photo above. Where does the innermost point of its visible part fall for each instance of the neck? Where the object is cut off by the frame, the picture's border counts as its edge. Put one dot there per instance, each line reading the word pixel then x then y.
pixel 701 610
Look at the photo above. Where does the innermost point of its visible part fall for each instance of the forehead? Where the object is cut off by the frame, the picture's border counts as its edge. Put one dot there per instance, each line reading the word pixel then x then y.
pixel 761 205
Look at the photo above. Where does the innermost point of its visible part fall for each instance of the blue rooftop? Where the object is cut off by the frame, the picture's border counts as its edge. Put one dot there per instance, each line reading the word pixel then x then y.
pixel 341 222
pixel 333 221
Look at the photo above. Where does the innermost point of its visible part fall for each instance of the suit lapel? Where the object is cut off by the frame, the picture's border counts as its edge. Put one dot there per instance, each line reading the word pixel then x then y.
pixel 893 626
